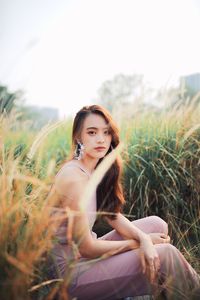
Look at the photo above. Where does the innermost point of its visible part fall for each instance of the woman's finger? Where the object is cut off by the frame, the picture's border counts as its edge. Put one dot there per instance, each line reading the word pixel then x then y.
pixel 167 239
pixel 153 267
pixel 164 236
pixel 152 272
pixel 157 264
pixel 143 262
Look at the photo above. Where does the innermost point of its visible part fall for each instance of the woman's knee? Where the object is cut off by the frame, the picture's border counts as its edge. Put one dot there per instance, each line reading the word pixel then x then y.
pixel 151 224
pixel 159 224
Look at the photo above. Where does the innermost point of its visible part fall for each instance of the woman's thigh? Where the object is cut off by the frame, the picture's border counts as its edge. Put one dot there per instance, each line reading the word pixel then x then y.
pixel 148 225
pixel 121 276
pixel 115 277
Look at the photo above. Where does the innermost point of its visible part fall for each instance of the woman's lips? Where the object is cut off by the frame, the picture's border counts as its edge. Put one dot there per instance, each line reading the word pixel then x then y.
pixel 100 148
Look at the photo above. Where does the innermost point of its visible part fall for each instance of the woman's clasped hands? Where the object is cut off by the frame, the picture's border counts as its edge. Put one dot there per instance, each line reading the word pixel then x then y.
pixel 149 257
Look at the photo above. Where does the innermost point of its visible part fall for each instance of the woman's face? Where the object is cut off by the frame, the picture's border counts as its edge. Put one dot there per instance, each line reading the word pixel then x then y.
pixel 95 136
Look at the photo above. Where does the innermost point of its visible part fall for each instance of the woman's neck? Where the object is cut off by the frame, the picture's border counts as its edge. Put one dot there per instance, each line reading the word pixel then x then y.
pixel 89 164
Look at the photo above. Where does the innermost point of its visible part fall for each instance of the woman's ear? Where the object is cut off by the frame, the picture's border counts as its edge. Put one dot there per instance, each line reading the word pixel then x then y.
pixel 77 140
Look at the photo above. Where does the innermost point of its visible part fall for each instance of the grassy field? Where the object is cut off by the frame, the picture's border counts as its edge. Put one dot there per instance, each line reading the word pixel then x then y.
pixel 161 176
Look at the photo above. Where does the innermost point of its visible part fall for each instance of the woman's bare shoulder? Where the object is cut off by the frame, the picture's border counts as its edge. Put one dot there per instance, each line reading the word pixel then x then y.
pixel 70 181
pixel 71 172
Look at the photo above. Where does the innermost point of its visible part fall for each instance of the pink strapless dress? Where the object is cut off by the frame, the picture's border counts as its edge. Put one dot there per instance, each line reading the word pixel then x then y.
pixel 120 275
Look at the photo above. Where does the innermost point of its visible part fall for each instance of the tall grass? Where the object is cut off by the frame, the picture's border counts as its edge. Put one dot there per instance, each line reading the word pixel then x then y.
pixel 162 172
pixel 25 222
pixel 161 176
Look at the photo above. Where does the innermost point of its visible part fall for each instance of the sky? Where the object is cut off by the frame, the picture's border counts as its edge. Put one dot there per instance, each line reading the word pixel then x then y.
pixel 60 52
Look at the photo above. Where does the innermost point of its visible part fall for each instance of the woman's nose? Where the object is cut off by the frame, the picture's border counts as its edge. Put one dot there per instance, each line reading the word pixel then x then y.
pixel 101 138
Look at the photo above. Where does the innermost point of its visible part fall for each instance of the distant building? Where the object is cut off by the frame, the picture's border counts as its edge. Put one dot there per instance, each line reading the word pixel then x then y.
pixel 191 83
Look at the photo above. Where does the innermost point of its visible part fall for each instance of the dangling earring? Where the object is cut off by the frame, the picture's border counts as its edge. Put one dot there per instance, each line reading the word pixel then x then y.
pixel 78 153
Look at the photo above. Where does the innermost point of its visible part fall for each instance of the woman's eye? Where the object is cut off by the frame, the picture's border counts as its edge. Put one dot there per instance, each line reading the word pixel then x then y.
pixel 107 132
pixel 91 132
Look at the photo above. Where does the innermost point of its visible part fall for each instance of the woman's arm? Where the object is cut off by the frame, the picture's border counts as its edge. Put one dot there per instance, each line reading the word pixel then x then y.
pixel 92 248
pixel 129 231
pixel 125 228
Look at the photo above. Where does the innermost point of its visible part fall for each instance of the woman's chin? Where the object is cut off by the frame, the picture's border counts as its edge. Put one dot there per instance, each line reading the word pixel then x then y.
pixel 99 155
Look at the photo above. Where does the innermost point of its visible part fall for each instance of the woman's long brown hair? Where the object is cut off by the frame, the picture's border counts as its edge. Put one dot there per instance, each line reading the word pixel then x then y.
pixel 109 191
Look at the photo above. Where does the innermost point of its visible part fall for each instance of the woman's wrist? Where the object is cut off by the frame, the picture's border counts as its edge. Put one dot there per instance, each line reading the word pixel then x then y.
pixel 134 244
pixel 144 236
pixel 139 235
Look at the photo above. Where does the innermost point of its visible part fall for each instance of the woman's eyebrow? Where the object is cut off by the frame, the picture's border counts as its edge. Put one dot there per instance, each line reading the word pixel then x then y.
pixel 97 128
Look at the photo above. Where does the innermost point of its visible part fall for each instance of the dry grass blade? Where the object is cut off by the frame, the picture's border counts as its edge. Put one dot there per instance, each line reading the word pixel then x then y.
pixel 36 287
pixel 18 264
pixel 33 180
pixel 191 131
pixel 98 175
pixel 41 136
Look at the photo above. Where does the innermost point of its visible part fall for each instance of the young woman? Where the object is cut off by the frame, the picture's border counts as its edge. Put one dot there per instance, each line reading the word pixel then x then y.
pixel 141 259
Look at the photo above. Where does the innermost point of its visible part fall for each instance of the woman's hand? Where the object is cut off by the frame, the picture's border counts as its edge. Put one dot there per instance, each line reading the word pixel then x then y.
pixel 149 257
pixel 159 238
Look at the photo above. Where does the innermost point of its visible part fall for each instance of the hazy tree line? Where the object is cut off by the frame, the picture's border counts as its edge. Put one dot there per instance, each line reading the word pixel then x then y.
pixel 121 95
pixel 32 116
